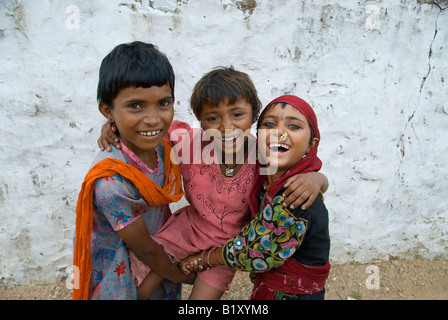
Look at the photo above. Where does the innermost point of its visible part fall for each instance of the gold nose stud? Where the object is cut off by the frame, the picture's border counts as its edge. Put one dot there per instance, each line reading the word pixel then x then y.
pixel 283 137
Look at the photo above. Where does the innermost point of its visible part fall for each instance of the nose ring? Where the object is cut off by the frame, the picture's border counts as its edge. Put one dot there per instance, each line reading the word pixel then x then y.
pixel 283 137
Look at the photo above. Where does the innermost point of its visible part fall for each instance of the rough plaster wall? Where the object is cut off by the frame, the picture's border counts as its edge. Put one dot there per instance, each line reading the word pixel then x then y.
pixel 375 72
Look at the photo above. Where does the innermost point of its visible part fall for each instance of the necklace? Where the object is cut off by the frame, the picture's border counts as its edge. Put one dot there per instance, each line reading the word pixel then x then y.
pixel 230 170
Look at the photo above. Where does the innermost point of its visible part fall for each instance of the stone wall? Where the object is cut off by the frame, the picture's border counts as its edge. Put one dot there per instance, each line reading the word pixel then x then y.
pixel 376 73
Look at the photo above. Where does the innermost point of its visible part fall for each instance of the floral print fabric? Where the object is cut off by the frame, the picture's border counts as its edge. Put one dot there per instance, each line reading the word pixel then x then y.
pixel 117 204
pixel 271 237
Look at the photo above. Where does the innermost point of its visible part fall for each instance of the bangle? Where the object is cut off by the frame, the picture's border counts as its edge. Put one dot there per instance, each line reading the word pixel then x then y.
pixel 208 257
pixel 214 255
pixel 202 258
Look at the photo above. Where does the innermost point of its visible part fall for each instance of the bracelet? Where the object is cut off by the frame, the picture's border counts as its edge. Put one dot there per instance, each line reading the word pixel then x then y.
pixel 208 258
pixel 201 265
pixel 203 260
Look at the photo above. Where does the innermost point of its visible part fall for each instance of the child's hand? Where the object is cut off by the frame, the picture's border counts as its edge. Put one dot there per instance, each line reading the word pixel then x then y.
pixel 108 137
pixel 302 189
pixel 191 264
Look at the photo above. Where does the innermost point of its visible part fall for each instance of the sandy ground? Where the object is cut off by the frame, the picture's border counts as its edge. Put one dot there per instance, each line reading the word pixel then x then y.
pixel 392 280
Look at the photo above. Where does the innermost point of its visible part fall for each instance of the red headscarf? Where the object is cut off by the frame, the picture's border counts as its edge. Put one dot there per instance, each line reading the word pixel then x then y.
pixel 309 163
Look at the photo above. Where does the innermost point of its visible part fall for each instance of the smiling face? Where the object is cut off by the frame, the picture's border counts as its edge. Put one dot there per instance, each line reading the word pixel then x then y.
pixel 287 136
pixel 228 125
pixel 142 116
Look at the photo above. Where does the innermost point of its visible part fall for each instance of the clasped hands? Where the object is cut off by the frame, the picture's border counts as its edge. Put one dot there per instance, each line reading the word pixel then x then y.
pixel 199 262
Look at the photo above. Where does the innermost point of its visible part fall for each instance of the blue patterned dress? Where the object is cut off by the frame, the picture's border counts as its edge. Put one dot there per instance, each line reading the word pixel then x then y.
pixel 117 204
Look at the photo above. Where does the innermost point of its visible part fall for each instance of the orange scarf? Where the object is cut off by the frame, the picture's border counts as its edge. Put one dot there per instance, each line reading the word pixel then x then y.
pixel 151 192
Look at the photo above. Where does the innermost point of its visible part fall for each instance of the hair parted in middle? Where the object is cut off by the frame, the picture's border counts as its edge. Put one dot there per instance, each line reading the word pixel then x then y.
pixel 224 85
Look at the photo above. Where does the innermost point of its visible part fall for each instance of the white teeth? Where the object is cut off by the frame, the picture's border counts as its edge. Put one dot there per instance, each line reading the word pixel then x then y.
pixel 149 133
pixel 229 139
pixel 279 145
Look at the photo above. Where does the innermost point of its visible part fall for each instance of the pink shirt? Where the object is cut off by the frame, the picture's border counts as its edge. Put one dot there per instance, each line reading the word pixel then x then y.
pixel 219 205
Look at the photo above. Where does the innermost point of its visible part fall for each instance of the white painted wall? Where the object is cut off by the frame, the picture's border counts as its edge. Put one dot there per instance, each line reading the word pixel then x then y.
pixel 376 73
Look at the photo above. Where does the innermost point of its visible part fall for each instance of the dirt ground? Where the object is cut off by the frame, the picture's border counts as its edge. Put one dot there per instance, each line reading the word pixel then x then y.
pixel 391 280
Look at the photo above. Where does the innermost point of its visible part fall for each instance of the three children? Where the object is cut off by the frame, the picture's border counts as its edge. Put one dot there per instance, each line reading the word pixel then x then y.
pixel 126 233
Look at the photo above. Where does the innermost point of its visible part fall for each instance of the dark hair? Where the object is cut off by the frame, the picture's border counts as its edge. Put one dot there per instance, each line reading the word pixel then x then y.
pixel 224 85
pixel 135 64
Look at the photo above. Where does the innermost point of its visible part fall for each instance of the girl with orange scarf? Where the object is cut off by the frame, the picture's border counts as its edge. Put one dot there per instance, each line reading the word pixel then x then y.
pixel 125 195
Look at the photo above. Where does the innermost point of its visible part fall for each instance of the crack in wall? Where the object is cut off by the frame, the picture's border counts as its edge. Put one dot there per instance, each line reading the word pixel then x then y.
pixel 16 12
pixel 430 48
pixel 401 142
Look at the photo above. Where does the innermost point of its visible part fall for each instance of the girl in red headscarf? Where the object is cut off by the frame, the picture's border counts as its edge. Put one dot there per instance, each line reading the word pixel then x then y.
pixel 287 250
